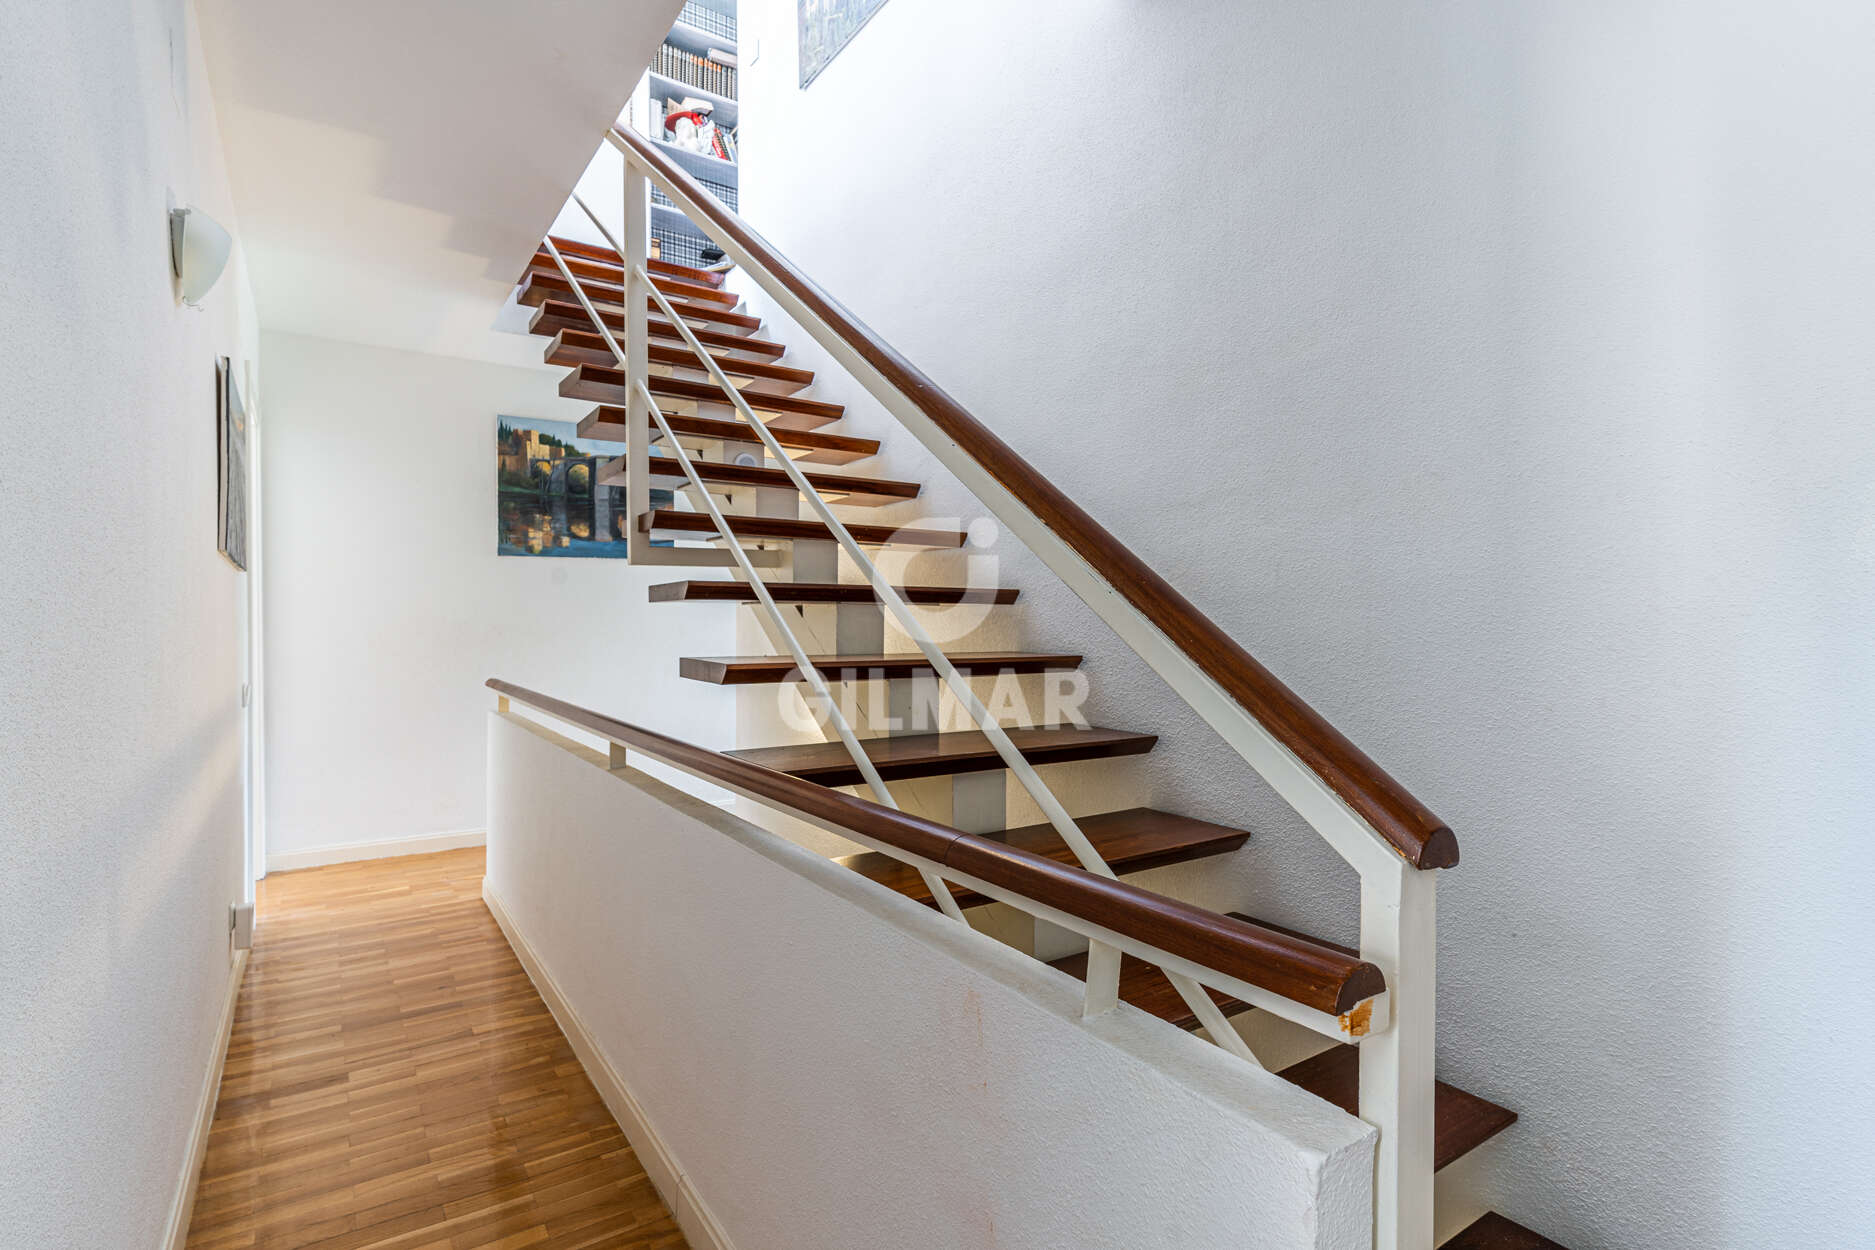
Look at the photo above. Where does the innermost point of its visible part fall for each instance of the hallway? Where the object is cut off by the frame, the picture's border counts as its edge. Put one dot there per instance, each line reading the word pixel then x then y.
pixel 395 1082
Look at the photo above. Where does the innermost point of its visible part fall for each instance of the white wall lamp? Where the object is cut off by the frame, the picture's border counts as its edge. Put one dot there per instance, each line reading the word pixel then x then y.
pixel 198 252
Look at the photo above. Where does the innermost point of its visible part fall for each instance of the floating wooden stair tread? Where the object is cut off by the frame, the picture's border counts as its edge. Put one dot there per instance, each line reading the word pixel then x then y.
pixel 670 522
pixel 598 271
pixel 1461 1121
pixel 671 269
pixel 594 251
pixel 1130 841
pixel 752 670
pixel 823 592
pixel 605 385
pixel 840 488
pixel 1493 1232
pixel 944 754
pixel 608 424
pixel 539 288
pixel 819 410
pixel 1322 974
pixel 585 347
pixel 557 315
pixel 695 292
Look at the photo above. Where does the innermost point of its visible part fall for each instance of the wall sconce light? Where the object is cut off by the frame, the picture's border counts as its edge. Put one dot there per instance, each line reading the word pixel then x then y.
pixel 198 252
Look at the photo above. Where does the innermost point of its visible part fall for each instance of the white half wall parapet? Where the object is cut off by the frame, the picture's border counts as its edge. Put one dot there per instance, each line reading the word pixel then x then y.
pixel 804 1059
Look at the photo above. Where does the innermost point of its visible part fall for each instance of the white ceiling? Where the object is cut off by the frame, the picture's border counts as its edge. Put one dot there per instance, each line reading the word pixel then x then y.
pixel 394 162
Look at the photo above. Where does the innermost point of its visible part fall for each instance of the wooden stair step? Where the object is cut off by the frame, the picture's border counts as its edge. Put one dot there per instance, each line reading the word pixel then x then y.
pixel 944 754
pixel 843 489
pixel 755 670
pixel 607 424
pixel 566 314
pixel 1493 1232
pixel 1461 1121
pixel 797 410
pixel 1130 841
pixel 671 269
pixel 823 592
pixel 585 268
pixel 599 252
pixel 670 523
pixel 1144 986
pixel 695 292
pixel 537 288
pixel 584 347
pixel 607 386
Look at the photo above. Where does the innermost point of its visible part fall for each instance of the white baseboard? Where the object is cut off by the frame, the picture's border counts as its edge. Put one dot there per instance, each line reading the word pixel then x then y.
pixel 700 1227
pixel 385 848
pixel 184 1205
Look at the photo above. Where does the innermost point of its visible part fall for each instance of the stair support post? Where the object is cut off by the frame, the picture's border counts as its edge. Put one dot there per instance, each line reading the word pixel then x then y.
pixel 980 805
pixel 637 246
pixel 816 560
pixel 1399 935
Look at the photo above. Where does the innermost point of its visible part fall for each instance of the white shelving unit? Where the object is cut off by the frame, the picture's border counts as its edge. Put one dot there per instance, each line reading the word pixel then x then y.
pixel 671 226
pixel 706 167
pixel 675 89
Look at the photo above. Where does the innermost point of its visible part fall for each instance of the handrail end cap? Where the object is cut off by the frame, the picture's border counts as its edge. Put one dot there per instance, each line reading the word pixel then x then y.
pixel 1439 850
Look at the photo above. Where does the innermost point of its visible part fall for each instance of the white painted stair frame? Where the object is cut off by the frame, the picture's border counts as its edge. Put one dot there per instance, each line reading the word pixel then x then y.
pixel 1103 961
pixel 1398 901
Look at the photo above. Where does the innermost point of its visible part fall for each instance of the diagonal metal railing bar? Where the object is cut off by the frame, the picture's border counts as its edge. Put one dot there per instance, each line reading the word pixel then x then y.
pixel 862 761
pixel 882 587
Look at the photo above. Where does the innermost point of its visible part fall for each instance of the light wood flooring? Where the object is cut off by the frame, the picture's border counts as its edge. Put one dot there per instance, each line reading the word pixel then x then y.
pixel 395 1082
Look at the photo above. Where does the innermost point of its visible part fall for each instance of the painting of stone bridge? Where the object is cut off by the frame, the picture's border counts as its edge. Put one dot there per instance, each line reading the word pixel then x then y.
pixel 551 501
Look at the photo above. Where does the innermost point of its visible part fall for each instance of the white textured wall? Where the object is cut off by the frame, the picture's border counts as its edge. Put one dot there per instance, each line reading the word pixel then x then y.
pixel 387 607
pixel 1499 374
pixel 120 724
pixel 834 1067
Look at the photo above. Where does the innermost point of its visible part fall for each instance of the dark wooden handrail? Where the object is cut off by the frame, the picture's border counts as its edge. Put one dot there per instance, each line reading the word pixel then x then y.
pixel 1299 968
pixel 1362 784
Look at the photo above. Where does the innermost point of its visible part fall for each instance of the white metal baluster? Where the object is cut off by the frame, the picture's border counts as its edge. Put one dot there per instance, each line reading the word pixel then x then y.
pixel 634 362
pixel 1211 1016
pixel 939 891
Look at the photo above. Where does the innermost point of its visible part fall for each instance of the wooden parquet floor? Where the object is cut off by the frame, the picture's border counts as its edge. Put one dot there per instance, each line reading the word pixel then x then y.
pixel 395 1082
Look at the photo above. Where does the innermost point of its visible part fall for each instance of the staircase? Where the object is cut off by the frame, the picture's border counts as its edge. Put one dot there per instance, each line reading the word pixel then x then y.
pixel 710 372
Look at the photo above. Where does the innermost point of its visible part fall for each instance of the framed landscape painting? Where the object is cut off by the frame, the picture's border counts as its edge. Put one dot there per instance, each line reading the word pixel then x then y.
pixel 552 495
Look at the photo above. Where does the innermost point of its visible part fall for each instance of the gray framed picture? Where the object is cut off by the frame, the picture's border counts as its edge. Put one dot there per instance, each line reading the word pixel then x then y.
pixel 231 453
pixel 826 27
